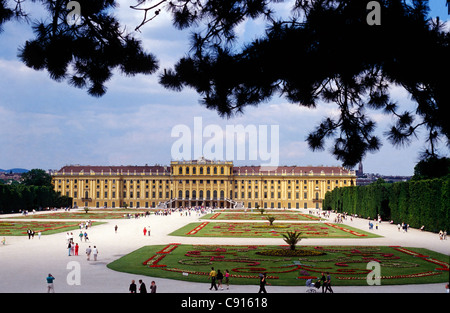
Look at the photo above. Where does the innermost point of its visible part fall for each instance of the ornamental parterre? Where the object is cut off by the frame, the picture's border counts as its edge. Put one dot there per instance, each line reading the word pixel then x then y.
pixel 346 263
pixel 257 229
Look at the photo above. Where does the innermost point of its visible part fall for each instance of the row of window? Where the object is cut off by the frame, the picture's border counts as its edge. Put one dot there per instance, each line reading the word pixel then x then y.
pixel 266 205
pixel 201 195
pixel 154 181
pixel 201 171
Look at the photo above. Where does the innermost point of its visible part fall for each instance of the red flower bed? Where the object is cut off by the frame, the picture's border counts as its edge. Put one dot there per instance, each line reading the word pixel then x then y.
pixel 197 229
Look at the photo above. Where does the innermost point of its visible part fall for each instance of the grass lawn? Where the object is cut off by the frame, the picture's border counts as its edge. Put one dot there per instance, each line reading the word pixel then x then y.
pixel 15 228
pixel 261 217
pixel 346 264
pixel 257 229
pixel 75 215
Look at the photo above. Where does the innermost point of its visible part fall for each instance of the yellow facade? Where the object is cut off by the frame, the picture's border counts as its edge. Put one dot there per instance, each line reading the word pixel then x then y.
pixel 200 183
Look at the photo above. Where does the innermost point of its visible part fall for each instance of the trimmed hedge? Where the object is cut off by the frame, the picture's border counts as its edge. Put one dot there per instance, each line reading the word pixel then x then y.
pixel 21 197
pixel 423 202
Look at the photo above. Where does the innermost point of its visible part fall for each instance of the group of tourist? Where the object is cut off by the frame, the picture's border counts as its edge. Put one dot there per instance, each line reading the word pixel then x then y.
pixel 31 233
pixel 93 251
pixel 218 277
pixel 403 226
pixel 142 288
pixel 325 282
pixel 85 225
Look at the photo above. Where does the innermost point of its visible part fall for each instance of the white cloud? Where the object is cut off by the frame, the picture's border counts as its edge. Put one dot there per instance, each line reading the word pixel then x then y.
pixel 48 124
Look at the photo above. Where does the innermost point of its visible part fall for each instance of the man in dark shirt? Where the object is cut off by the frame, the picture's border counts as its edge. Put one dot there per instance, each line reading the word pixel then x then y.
pixel 142 288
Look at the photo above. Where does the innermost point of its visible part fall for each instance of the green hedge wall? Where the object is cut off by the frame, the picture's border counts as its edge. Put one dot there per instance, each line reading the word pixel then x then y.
pixel 424 202
pixel 14 198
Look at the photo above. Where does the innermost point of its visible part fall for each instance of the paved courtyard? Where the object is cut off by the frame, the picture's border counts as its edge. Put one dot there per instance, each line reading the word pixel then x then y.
pixel 25 263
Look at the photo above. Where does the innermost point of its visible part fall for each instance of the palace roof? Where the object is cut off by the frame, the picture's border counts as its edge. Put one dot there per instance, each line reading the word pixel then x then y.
pixel 237 170
pixel 291 170
pixel 87 169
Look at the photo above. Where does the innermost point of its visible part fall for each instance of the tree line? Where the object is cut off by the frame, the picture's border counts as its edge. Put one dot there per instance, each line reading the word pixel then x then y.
pixel 415 202
pixel 34 192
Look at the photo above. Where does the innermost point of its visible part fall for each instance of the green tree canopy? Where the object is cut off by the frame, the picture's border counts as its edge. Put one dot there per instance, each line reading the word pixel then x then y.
pixel 432 167
pixel 325 51
pixel 37 177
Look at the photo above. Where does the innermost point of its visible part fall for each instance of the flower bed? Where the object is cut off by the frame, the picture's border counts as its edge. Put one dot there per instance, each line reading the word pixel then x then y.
pixel 258 229
pixel 290 253
pixel 19 228
pixel 346 264
pixel 294 216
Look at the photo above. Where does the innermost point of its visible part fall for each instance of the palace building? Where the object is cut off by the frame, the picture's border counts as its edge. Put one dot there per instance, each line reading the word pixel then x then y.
pixel 200 183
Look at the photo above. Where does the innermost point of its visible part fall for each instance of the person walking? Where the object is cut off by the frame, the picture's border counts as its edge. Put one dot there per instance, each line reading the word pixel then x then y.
pixel 227 279
pixel 88 253
pixel 115 228
pixel 153 287
pixel 262 283
pixel 145 231
pixel 219 279
pixel 132 287
pixel 76 248
pixel 95 252
pixel 50 287
pixel 212 276
pixel 328 283
pixel 323 281
pixel 142 288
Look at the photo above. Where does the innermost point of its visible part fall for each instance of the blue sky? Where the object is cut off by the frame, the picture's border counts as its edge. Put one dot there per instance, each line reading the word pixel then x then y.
pixel 46 124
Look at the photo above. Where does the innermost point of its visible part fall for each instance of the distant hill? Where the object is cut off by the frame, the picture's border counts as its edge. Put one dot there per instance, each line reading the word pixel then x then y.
pixel 14 170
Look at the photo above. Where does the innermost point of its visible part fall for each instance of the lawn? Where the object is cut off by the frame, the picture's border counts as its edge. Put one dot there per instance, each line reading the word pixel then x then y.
pixel 258 229
pixel 346 264
pixel 75 215
pixel 15 228
pixel 259 216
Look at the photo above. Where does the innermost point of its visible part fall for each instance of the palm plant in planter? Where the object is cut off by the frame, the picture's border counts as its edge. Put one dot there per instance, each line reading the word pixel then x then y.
pixel 292 238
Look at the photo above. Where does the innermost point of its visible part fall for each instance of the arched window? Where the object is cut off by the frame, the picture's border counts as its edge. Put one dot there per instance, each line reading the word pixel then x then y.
pixel 215 170
pixel 201 194
pixel 201 170
pixel 187 194
pixel 222 170
pixel 194 194
pixel 180 194
pixel 180 170
pixel 194 170
pixel 222 194
pixel 208 194
pixel 215 194
pixel 208 170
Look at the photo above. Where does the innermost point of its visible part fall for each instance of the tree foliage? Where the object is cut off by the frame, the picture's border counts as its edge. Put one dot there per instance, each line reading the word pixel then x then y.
pixel 37 177
pixel 417 203
pixel 432 167
pixel 324 52
pixel 15 198
pixel 84 53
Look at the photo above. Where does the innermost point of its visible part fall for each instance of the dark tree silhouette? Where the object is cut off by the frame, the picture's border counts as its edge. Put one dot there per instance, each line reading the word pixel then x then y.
pixel 325 51
pixel 328 53
pixel 83 53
